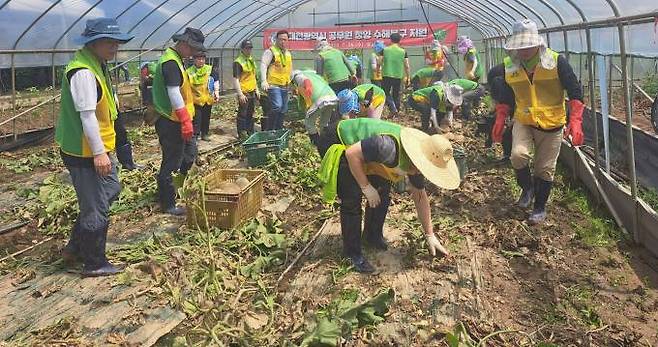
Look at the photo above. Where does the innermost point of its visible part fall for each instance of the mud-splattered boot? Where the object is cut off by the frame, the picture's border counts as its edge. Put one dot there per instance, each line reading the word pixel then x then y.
pixel 524 180
pixel 542 192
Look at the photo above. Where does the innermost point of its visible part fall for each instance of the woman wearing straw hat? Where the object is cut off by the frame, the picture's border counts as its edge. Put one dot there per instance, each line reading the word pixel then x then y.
pixel 439 98
pixel 361 157
pixel 537 79
pixel 86 137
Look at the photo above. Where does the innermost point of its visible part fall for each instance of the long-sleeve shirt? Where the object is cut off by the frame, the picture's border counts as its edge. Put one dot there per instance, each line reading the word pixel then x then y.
pixel 504 94
pixel 85 92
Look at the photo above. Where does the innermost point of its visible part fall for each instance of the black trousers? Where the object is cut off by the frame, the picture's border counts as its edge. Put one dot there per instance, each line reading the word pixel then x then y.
pixel 265 105
pixel 350 194
pixel 201 120
pixel 245 119
pixel 177 155
pixel 338 86
pixel 391 87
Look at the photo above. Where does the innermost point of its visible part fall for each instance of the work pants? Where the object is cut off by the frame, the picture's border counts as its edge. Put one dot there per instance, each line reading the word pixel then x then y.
pixel 391 87
pixel 245 119
pixel 177 155
pixel 546 146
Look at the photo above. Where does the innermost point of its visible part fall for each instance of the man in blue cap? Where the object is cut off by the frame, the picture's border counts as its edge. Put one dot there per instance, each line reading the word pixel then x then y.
pixel 86 137
pixel 173 99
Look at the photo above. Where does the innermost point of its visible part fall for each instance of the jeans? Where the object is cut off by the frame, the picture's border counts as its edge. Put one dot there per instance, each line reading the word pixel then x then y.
pixel 245 119
pixel 202 120
pixel 338 86
pixel 279 101
pixel 391 87
pixel 95 195
pixel 177 155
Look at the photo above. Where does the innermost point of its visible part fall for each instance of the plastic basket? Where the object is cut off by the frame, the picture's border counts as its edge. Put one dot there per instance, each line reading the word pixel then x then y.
pixel 460 158
pixel 259 144
pixel 228 210
pixel 295 109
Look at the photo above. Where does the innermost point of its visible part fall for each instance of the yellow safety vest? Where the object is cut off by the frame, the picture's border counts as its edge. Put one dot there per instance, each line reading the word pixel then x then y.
pixel 199 82
pixel 539 103
pixel 248 77
pixel 278 73
pixel 160 96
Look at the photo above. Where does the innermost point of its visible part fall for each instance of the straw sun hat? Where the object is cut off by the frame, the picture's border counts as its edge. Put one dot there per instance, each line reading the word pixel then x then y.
pixel 524 35
pixel 432 156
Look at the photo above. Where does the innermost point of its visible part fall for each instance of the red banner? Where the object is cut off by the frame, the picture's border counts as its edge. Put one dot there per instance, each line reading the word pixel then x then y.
pixel 357 37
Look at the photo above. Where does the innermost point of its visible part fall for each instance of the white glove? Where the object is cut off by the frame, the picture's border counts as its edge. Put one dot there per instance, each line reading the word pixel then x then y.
pixel 434 245
pixel 371 195
pixel 264 85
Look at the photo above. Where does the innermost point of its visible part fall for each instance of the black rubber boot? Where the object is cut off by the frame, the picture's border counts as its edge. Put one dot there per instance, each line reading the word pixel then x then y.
pixel 125 157
pixel 542 192
pixel 524 180
pixel 361 264
pixel 95 262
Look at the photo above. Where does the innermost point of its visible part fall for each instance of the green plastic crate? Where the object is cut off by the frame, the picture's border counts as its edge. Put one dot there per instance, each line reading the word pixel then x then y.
pixel 259 144
pixel 295 109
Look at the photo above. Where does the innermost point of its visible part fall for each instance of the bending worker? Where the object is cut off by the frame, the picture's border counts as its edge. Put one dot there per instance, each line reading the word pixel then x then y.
pixel 173 99
pixel 334 66
pixel 365 100
pixel 361 157
pixel 473 68
pixel 244 82
pixel 200 74
pixel 319 101
pixel 537 79
pixel 436 103
pixel 275 69
pixel 85 135
pixel 472 93
pixel 425 77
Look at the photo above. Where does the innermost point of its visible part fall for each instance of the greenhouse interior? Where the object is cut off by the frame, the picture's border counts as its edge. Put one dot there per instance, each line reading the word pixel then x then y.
pixel 329 173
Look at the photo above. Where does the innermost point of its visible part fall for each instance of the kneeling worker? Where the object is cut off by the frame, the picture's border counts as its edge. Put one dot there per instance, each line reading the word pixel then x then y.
pixel 362 157
pixel 319 101
pixel 439 98
pixel 366 100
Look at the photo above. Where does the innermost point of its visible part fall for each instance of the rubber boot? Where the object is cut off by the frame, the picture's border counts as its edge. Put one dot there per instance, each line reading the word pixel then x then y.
pixel 125 157
pixel 542 192
pixel 524 180
pixel 71 252
pixel 95 262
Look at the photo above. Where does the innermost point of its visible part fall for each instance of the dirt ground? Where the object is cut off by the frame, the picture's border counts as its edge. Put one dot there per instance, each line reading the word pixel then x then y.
pixel 575 281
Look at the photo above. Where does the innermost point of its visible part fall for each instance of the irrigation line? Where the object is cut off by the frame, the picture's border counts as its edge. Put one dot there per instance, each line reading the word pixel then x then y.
pixel 299 256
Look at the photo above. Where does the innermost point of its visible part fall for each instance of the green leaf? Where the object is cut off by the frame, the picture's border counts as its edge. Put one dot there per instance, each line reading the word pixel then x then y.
pixel 326 333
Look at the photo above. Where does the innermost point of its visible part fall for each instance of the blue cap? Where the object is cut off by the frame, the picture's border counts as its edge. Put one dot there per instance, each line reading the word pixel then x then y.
pixel 348 101
pixel 378 46
pixel 102 28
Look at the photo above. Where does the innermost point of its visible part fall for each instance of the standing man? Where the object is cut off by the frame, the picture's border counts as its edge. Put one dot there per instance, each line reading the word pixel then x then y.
pixel 319 101
pixel 200 75
pixel 473 68
pixel 355 62
pixel 244 82
pixel 361 157
pixel 536 79
pixel 85 135
pixel 174 101
pixel 376 59
pixel 275 69
pixel 334 66
pixel 395 67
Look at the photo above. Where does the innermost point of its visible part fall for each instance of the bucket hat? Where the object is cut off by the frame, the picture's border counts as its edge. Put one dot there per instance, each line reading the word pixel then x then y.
pixel 432 156
pixel 102 28
pixel 246 44
pixel 193 37
pixel 524 35
pixel 454 94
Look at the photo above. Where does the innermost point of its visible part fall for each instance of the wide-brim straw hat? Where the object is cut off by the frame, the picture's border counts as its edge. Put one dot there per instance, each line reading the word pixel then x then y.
pixel 524 35
pixel 432 156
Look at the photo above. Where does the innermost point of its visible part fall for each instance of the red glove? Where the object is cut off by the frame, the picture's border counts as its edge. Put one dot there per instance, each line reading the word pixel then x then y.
pixel 307 89
pixel 502 110
pixel 186 128
pixel 575 127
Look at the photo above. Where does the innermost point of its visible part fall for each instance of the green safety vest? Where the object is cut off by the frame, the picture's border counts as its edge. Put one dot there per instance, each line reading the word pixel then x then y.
pixel 467 85
pixel 320 88
pixel 393 65
pixel 423 96
pixel 479 70
pixel 378 95
pixel 69 133
pixel 425 76
pixel 248 77
pixel 334 68
pixel 351 131
pixel 161 98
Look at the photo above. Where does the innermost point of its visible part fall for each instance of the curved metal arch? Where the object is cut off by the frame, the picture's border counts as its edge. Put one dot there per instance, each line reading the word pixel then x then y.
pixel 504 12
pixel 166 21
pixel 493 16
pixel 462 14
pixel 531 10
pixel 75 22
pixel 147 15
pixel 4 4
pixel 193 18
pixel 237 21
pixel 217 15
pixel 482 27
pixel 34 22
pixel 127 9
